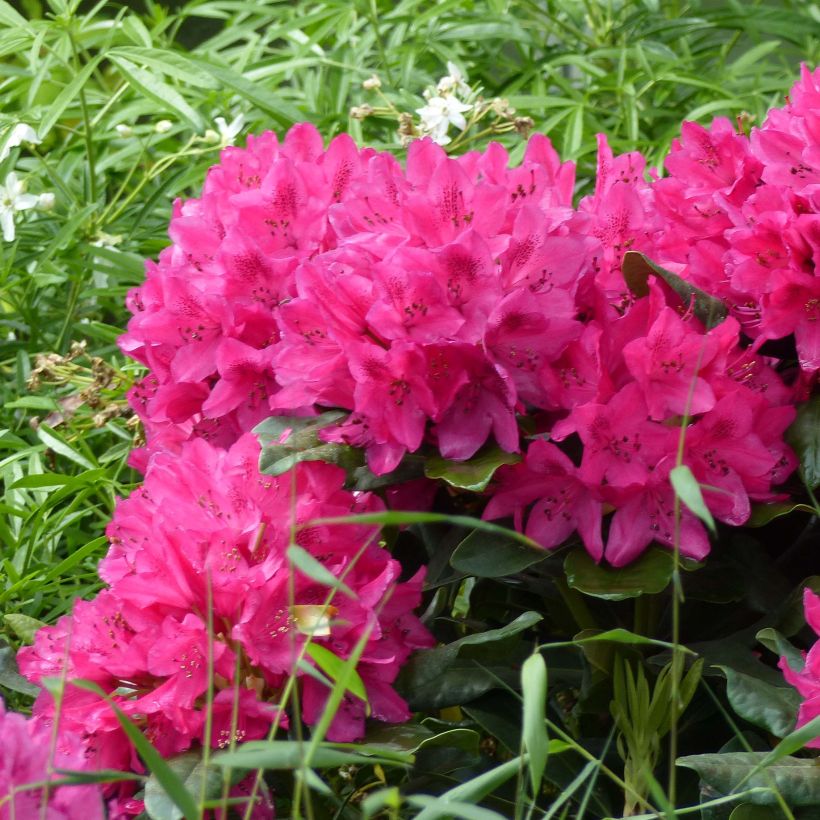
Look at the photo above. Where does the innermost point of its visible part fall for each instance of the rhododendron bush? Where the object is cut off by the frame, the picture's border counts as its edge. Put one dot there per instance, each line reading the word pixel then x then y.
pixel 386 402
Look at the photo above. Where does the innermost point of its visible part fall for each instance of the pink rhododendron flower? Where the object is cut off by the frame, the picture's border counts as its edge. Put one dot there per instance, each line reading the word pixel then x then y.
pixel 28 759
pixel 207 533
pixel 435 304
pixel 807 679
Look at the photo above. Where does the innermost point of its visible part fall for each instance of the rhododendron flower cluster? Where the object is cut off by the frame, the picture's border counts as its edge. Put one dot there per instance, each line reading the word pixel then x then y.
pixel 439 302
pixel 807 679
pixel 743 217
pixel 206 533
pixel 29 756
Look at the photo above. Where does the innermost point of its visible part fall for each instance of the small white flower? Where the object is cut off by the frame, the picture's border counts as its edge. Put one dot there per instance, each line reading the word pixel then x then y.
pixel 439 114
pixel 372 83
pixel 13 199
pixel 19 133
pixel 163 126
pixel 125 131
pixel 455 81
pixel 228 133
pixel 45 202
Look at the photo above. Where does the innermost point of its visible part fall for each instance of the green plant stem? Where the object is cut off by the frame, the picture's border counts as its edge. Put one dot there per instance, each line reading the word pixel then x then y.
pixel 89 142
pixel 576 604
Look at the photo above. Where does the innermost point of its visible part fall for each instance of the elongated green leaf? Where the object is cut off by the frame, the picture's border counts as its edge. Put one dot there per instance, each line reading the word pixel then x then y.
pixel 60 446
pixel 66 97
pixel 175 65
pixel 534 736
pixel 289 754
pixel 161 93
pixel 332 666
pixel 688 490
pixel 283 112
pixel 311 568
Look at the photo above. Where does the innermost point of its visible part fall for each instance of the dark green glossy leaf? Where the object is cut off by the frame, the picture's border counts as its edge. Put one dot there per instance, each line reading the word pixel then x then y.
pixel 488 555
pixel 650 574
pixel 467 668
pixel 795 778
pixel 770 707
pixel 804 437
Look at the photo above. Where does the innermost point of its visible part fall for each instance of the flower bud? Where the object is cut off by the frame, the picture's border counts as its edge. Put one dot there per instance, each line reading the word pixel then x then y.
pixel 125 131
pixel 45 202
pixel 163 126
pixel 372 83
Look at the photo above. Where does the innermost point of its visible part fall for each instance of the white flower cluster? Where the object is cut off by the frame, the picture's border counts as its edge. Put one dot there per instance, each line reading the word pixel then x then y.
pixel 13 196
pixel 444 108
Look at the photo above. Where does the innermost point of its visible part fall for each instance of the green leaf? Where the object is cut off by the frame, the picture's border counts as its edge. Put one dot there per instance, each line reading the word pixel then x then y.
pixel 795 778
pixel 286 441
pixel 10 677
pixel 804 437
pixel 465 669
pixel 534 737
pixel 190 770
pixel 316 571
pixel 637 269
pixel 474 474
pixel 332 666
pixel 288 754
pixel 166 97
pixel 400 737
pixel 23 626
pixel 688 490
pixel 283 112
pixel 60 446
pixel 650 574
pixel 777 643
pixel 66 96
pixel 175 65
pixel 763 514
pixel 773 708
pixel 488 555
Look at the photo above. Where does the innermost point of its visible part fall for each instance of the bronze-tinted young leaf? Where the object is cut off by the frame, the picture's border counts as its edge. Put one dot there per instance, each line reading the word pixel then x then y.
pixel 637 268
